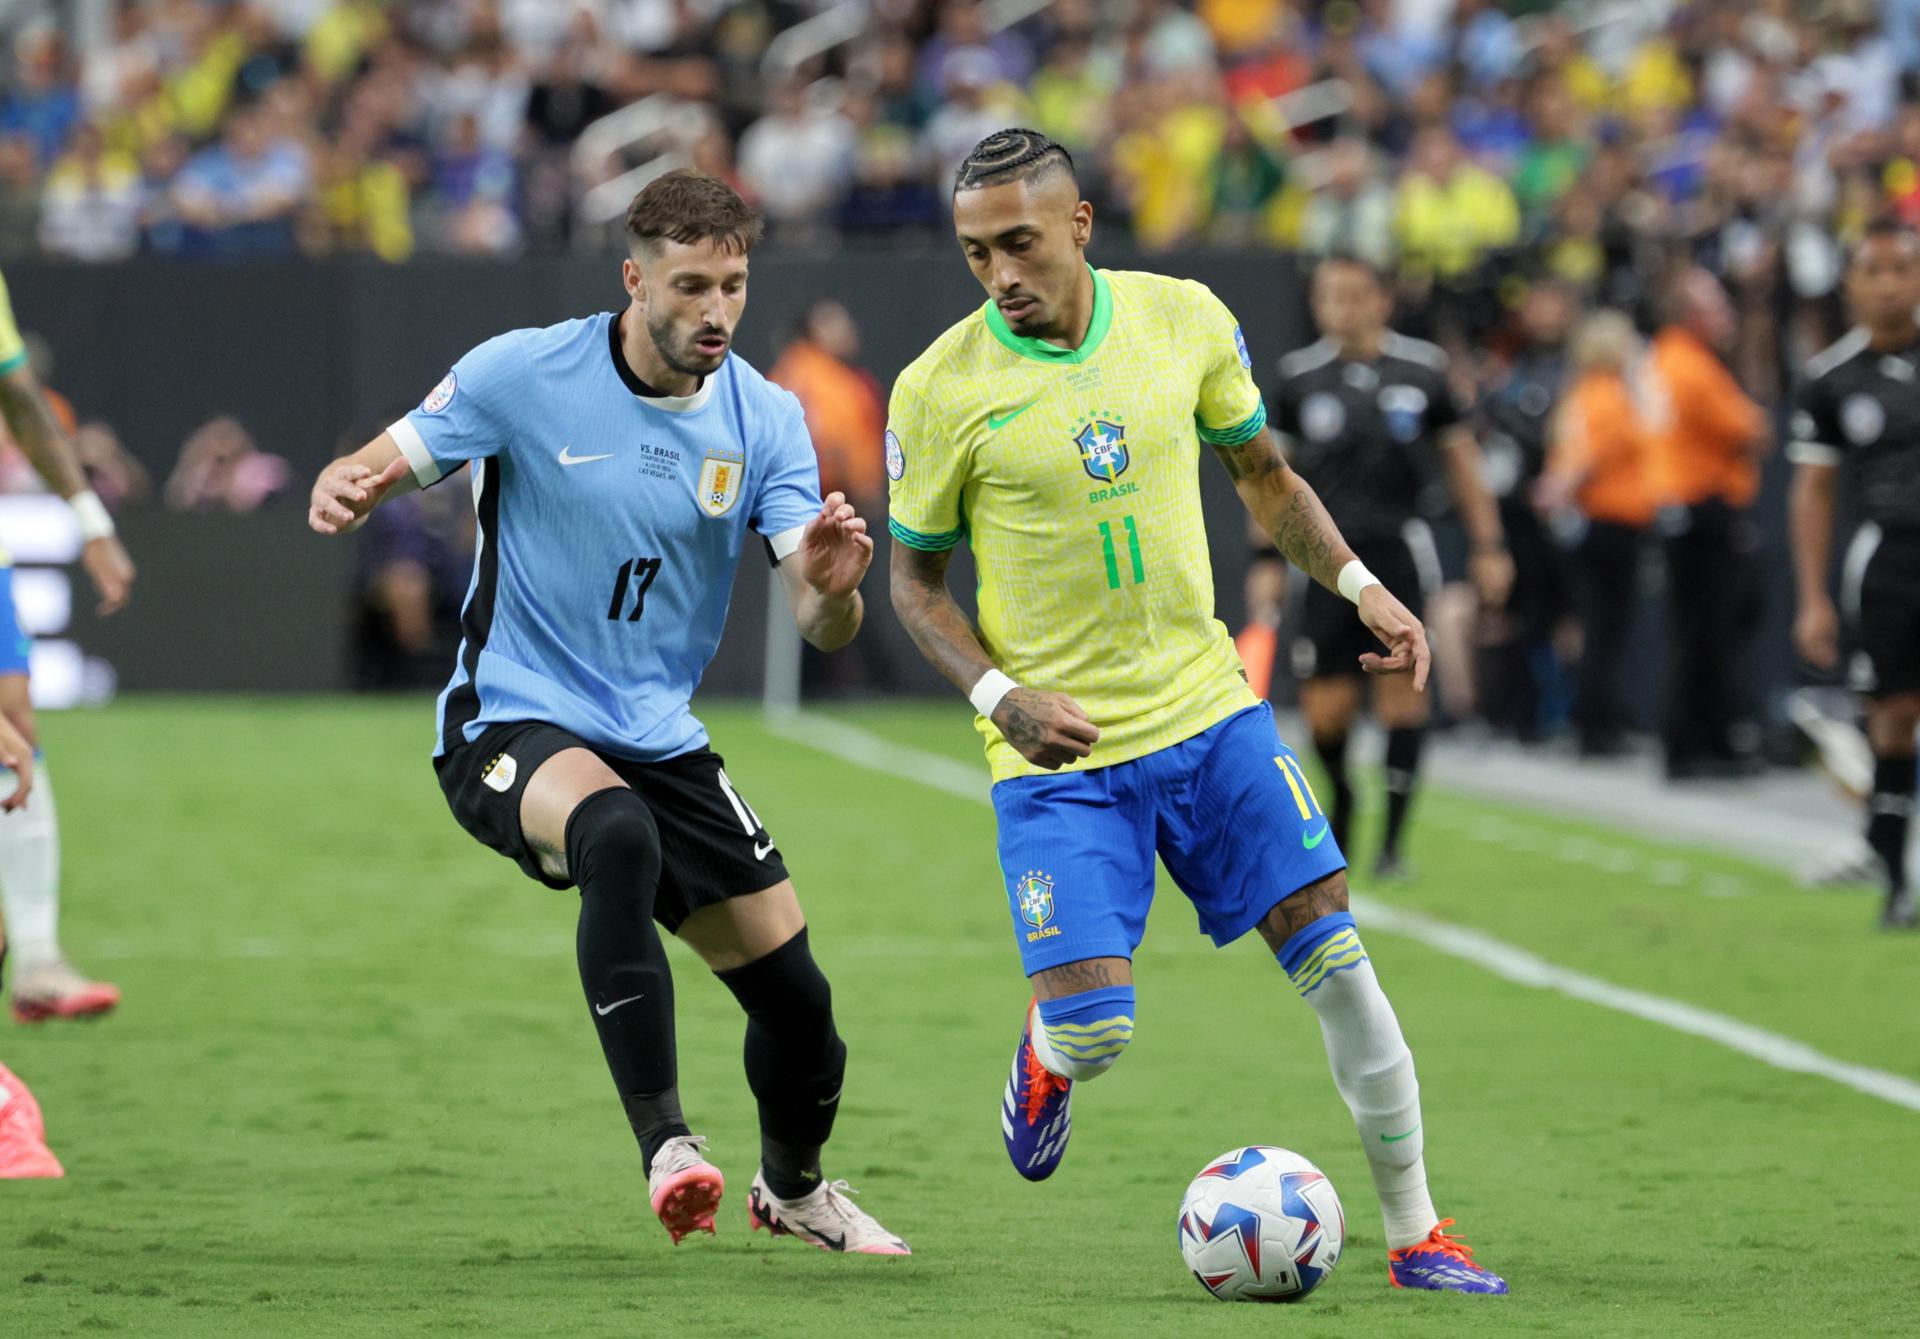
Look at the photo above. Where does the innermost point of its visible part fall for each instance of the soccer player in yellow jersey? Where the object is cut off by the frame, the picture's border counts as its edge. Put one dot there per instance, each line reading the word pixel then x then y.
pixel 45 985
pixel 1057 430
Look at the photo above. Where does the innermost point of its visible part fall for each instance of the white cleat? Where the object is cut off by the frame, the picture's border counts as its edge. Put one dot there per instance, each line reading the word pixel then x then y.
pixel 55 990
pixel 683 1187
pixel 1853 865
pixel 826 1217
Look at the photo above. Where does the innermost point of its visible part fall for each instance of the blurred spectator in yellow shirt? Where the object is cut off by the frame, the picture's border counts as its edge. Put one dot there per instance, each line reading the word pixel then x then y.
pixel 1451 212
pixel 1165 160
pixel 1071 92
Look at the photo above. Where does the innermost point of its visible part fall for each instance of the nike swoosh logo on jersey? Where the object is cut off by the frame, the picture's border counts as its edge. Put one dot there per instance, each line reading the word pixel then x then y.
pixel 1316 838
pixel 604 1010
pixel 995 422
pixel 567 457
pixel 762 852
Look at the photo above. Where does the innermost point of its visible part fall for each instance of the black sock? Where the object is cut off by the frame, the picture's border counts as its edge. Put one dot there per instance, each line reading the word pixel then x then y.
pixel 795 1061
pixel 1403 774
pixel 613 850
pixel 1888 812
pixel 1332 750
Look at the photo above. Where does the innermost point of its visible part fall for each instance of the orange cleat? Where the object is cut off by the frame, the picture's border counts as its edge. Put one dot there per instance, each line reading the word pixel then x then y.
pixel 23 1135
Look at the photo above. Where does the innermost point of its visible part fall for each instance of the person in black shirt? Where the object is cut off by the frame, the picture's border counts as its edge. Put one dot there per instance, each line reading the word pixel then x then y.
pixel 1857 426
pixel 1521 681
pixel 1369 417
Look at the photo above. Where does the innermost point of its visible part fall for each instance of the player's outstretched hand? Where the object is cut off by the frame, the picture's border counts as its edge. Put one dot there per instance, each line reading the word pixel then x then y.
pixel 111 571
pixel 1049 729
pixel 1816 634
pixel 1399 631
pixel 16 755
pixel 346 491
pixel 835 549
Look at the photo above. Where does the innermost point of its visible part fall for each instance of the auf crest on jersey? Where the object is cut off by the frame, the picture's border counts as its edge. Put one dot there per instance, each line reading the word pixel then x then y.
pixel 720 477
pixel 1103 447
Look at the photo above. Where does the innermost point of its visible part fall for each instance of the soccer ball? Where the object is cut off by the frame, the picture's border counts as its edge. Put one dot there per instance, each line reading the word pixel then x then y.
pixel 1261 1224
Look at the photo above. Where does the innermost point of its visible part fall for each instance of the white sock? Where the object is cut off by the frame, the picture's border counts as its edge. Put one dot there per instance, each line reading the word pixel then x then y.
pixel 30 875
pixel 1373 1070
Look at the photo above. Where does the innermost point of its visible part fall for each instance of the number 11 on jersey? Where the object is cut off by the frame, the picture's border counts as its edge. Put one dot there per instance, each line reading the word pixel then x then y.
pixel 1113 559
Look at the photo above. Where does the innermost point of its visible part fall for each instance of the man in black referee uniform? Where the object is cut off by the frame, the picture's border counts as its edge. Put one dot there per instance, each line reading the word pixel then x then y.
pixel 1857 426
pixel 1368 416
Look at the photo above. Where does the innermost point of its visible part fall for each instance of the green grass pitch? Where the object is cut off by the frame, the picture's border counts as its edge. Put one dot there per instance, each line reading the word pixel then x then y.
pixel 353 1091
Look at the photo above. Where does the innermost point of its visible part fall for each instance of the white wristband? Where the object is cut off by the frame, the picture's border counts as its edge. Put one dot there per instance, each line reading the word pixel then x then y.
pixel 92 515
pixel 1354 578
pixel 988 690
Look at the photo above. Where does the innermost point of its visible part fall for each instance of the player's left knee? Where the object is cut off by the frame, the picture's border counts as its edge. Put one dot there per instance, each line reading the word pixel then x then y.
pixel 1082 1036
pixel 785 986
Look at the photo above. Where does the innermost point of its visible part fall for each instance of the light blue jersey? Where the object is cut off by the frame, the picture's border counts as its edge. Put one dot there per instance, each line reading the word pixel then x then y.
pixel 610 525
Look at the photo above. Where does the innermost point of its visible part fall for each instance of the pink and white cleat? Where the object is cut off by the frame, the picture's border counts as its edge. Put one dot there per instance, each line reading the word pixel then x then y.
pixel 684 1187
pixel 23 1135
pixel 55 990
pixel 825 1216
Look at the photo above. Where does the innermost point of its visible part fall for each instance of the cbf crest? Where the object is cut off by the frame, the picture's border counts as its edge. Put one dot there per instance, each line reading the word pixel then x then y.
pixel 721 474
pixel 1034 893
pixel 1103 448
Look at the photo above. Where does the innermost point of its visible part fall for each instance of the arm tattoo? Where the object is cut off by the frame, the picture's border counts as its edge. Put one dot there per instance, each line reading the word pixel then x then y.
pixel 927 610
pixel 1022 730
pixel 1306 534
pixel 1253 460
pixel 1287 508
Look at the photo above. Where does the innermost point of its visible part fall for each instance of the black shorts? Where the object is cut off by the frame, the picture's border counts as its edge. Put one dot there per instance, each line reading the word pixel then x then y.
pixel 712 845
pixel 1880 592
pixel 1331 638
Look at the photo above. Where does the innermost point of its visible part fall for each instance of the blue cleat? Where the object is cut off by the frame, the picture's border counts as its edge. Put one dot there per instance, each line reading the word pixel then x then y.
pixel 1034 1114
pixel 1442 1264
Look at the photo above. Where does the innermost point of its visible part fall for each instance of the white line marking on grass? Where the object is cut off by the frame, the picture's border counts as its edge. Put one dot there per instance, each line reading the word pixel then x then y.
pixel 1522 967
pixel 863 748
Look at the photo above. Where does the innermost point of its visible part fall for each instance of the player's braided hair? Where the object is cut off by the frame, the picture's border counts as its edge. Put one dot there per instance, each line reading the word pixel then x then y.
pixel 1014 154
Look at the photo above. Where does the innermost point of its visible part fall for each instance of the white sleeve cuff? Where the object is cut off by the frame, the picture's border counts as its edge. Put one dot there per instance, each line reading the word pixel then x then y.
pixel 426 470
pixel 1814 453
pixel 785 544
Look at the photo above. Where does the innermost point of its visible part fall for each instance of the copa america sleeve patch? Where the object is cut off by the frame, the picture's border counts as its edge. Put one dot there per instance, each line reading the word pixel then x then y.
pixel 440 396
pixel 1240 346
pixel 896 458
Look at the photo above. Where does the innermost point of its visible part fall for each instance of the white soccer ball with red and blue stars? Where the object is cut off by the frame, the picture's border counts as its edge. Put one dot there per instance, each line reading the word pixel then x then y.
pixel 1261 1224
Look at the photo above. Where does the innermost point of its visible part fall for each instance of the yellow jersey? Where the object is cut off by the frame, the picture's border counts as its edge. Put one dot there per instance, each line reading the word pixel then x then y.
pixel 13 349
pixel 1073 474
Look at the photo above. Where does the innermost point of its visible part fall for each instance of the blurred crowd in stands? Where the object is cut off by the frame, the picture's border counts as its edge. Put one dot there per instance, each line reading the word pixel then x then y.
pixel 1448 133
pixel 1697 166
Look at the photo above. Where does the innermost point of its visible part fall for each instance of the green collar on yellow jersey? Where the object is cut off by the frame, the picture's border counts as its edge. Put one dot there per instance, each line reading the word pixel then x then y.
pixel 1041 351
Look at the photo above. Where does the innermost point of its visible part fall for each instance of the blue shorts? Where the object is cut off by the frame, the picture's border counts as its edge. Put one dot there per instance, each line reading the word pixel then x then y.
pixel 1228 811
pixel 15 646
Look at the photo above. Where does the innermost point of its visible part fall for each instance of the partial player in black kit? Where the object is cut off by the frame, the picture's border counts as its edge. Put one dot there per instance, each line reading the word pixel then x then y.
pixel 1368 417
pixel 1856 431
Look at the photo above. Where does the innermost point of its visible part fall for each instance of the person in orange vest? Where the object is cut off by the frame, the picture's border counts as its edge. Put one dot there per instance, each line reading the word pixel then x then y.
pixel 1708 440
pixel 1598 466
pixel 845 413
pixel 847 419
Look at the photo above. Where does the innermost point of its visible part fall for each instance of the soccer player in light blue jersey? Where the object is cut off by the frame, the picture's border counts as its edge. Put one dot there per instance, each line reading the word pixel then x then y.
pixel 617 464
